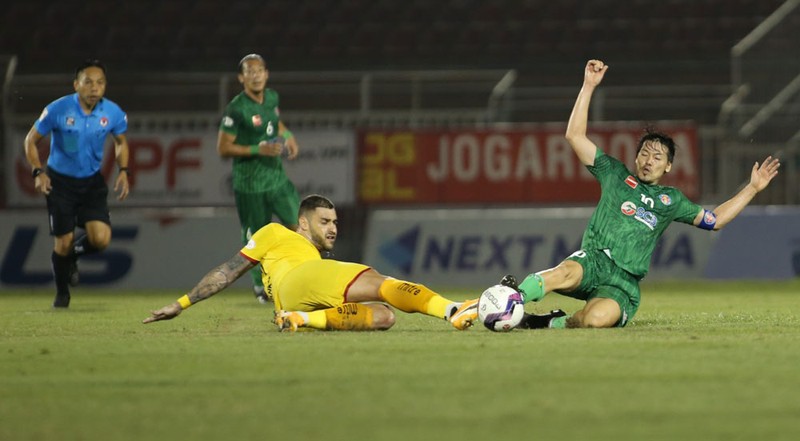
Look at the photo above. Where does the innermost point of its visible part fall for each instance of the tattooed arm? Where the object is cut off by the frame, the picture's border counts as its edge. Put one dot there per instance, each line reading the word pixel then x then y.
pixel 215 281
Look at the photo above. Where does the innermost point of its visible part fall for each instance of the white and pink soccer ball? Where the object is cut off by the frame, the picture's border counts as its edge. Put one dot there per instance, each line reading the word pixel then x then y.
pixel 500 308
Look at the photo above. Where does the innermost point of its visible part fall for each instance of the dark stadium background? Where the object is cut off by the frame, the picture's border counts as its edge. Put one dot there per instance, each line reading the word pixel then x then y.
pixel 671 60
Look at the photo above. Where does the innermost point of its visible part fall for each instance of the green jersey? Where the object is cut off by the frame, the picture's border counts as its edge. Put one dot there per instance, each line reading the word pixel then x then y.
pixel 631 215
pixel 251 123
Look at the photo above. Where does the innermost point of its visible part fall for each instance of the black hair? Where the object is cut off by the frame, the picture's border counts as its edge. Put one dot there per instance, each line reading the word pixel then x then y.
pixel 249 57
pixel 661 138
pixel 90 63
pixel 314 201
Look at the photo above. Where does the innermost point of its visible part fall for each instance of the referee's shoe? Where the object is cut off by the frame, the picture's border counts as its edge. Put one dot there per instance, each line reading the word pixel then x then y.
pixel 61 301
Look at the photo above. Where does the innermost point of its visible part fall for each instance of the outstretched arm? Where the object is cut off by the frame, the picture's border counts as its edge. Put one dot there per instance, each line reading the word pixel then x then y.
pixel 215 281
pixel 760 177
pixel 578 120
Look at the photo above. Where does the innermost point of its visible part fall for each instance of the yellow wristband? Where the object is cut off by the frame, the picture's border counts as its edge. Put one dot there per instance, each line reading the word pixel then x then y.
pixel 185 302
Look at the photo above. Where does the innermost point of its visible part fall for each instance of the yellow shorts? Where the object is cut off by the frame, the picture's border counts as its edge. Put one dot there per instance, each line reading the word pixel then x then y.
pixel 317 284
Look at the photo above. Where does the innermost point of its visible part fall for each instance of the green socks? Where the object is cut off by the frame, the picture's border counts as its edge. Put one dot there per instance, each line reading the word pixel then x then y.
pixel 532 288
pixel 559 322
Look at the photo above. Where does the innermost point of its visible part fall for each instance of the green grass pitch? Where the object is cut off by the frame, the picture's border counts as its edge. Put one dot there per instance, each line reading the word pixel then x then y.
pixel 700 361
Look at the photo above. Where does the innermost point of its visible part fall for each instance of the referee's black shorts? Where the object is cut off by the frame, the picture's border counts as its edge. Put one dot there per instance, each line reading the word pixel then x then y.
pixel 74 201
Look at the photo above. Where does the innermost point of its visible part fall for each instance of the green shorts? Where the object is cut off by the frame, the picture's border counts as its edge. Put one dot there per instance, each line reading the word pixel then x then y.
pixel 602 278
pixel 257 209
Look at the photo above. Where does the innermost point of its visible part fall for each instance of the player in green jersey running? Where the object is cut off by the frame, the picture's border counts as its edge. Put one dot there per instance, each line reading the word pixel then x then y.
pixel 625 227
pixel 252 133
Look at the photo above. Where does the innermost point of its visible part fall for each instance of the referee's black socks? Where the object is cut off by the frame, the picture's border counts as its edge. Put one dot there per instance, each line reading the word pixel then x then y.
pixel 61 269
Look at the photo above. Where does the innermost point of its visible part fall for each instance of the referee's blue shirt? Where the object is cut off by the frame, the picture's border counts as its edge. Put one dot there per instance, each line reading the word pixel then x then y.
pixel 77 139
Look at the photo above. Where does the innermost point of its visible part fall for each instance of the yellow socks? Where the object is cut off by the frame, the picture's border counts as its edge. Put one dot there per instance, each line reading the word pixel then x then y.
pixel 348 317
pixel 317 319
pixel 413 297
pixel 405 296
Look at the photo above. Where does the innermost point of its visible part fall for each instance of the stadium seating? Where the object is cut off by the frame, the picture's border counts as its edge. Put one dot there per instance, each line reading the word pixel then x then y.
pixel 381 33
pixel 659 42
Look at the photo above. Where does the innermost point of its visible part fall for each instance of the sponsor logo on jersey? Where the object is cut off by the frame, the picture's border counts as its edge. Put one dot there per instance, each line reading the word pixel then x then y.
pixel 104 121
pixel 256 120
pixel 631 181
pixel 70 121
pixel 665 199
pixel 227 121
pixel 628 208
pixel 640 214
pixel 250 244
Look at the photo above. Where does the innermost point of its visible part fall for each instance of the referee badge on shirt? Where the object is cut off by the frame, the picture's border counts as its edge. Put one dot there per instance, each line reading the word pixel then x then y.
pixel 70 121
pixel 256 120
pixel 104 121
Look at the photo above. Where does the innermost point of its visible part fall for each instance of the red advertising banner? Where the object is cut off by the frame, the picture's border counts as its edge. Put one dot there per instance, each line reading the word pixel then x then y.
pixel 529 165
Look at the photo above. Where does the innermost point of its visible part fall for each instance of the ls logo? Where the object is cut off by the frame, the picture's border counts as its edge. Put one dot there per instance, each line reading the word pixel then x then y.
pixel 116 263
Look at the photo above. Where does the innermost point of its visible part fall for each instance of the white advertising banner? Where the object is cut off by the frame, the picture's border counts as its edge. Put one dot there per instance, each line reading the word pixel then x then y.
pixel 442 248
pixel 160 252
pixel 762 243
pixel 325 165
pixel 183 169
pixel 475 248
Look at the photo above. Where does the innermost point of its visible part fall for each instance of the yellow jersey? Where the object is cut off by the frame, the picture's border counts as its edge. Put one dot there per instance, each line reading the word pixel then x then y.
pixel 279 250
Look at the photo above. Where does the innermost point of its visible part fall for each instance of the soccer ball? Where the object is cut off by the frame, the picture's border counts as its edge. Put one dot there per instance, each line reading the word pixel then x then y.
pixel 500 308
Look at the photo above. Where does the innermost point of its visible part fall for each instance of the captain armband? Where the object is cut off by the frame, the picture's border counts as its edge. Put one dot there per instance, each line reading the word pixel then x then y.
pixel 708 221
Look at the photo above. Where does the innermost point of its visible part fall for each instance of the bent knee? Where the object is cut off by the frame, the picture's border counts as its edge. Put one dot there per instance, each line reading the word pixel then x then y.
pixel 98 234
pixel 100 242
pixel 596 318
pixel 598 313
pixel 383 318
pixel 599 320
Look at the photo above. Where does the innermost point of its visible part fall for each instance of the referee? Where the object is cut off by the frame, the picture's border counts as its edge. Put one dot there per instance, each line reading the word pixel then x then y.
pixel 75 190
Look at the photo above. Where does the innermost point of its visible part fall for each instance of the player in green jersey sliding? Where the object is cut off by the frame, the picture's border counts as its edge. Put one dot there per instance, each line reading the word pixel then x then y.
pixel 252 133
pixel 625 227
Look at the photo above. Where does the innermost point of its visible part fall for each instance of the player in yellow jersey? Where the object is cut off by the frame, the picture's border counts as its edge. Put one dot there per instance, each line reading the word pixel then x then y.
pixel 316 293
